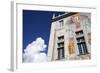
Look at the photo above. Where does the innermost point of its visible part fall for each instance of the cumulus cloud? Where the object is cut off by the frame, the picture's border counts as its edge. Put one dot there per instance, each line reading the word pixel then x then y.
pixel 34 52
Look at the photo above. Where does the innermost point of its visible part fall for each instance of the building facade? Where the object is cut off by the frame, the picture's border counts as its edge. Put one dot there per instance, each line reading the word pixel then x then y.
pixel 70 37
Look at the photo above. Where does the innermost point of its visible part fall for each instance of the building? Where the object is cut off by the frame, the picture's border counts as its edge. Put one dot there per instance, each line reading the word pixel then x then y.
pixel 70 37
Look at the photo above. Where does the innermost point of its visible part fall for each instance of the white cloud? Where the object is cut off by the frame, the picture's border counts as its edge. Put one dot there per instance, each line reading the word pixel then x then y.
pixel 33 53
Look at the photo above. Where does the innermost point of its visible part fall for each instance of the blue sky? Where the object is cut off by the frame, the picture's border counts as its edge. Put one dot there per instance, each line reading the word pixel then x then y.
pixel 37 24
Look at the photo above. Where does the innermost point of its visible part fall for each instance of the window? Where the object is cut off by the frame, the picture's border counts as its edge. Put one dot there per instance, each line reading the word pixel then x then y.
pixel 82 48
pixel 81 42
pixel 60 53
pixel 60 47
pixel 61 23
pixel 61 38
